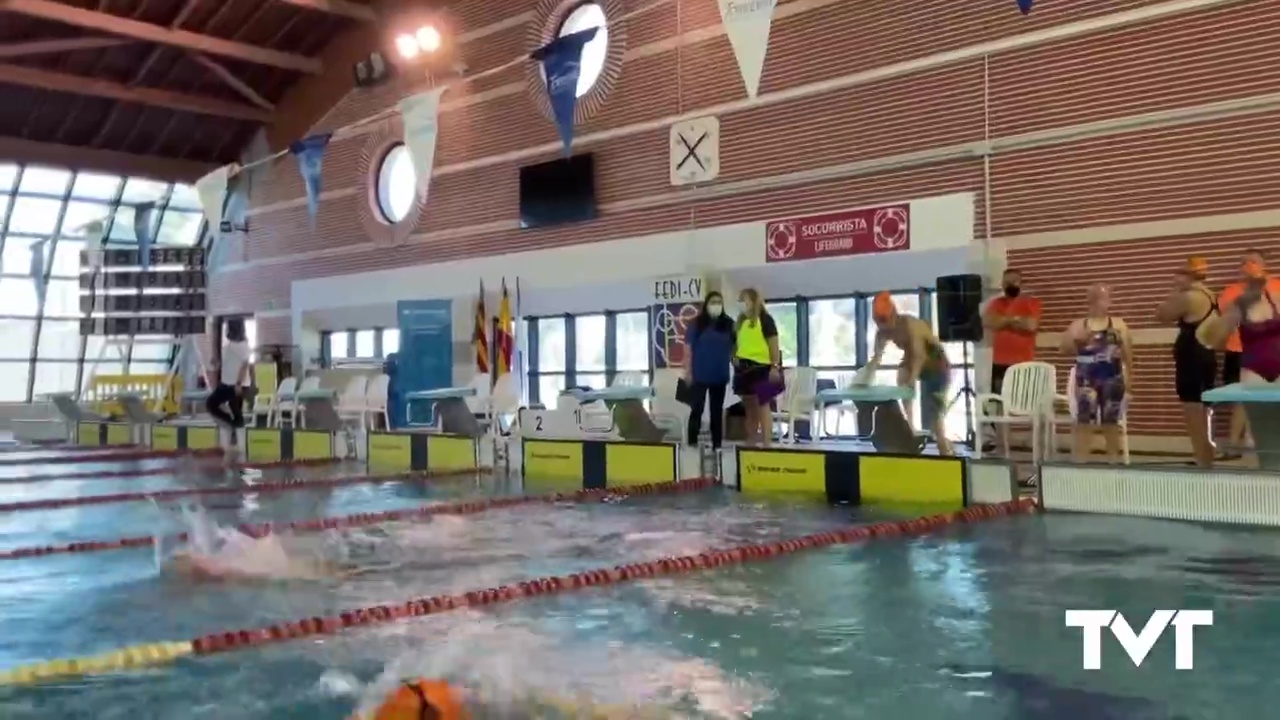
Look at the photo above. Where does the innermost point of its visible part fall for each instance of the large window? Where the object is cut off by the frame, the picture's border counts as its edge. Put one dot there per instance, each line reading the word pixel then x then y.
pixel 47 216
pixel 360 345
pixel 592 350
pixel 786 316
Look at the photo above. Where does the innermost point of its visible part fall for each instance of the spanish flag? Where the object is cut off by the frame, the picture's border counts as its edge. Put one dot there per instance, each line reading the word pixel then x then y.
pixel 479 337
pixel 504 337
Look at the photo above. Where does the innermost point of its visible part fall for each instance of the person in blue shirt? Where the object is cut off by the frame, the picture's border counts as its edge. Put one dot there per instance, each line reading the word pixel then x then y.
pixel 708 353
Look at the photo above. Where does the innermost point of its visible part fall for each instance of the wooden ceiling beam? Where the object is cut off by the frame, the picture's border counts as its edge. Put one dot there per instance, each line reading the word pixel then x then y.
pixel 104 161
pixel 92 87
pixel 229 79
pixel 352 10
pixel 52 47
pixel 126 27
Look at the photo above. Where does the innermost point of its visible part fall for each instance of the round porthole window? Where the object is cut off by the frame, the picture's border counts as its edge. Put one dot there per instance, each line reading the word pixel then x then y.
pixel 584 16
pixel 397 184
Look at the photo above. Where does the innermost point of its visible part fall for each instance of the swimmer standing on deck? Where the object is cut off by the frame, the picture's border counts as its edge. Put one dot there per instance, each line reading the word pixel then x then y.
pixel 924 361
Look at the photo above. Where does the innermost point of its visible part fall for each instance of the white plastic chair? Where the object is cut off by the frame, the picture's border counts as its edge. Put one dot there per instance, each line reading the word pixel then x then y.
pixel 630 379
pixel 668 413
pixel 296 410
pixel 478 404
pixel 798 399
pixel 351 402
pixel 375 401
pixel 284 395
pixel 264 403
pixel 1071 418
pixel 504 401
pixel 1026 398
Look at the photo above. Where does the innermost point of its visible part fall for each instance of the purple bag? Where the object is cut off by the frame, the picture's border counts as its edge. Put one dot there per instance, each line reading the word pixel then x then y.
pixel 767 389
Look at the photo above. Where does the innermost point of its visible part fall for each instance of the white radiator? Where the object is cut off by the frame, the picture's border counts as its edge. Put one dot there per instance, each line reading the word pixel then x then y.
pixel 1236 497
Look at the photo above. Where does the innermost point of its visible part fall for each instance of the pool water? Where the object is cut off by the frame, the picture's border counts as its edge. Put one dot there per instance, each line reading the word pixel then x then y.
pixel 966 623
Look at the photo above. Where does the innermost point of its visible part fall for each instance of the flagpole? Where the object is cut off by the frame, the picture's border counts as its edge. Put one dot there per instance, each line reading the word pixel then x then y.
pixel 518 360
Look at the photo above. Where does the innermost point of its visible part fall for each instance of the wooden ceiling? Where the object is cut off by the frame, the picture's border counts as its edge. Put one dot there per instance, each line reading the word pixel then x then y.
pixel 166 88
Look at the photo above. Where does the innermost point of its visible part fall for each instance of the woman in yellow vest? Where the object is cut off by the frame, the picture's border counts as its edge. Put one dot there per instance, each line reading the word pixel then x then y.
pixel 757 366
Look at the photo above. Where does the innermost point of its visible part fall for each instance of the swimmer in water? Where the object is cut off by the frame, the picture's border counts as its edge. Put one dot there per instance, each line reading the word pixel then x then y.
pixel 422 699
pixel 241 557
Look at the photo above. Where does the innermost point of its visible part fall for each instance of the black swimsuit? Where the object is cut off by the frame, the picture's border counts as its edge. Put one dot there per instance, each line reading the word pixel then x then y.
pixel 1195 367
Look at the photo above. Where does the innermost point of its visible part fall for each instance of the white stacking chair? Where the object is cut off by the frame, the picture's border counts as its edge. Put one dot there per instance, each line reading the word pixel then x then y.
pixel 297 411
pixel 284 394
pixel 1071 419
pixel 798 399
pixel 504 400
pixel 668 413
pixel 351 401
pixel 630 379
pixel 264 403
pixel 1026 398
pixel 376 400
pixel 478 404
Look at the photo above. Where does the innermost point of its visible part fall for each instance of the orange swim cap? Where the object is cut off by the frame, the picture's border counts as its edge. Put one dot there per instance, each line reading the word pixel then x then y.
pixel 1196 265
pixel 1253 270
pixel 422 700
pixel 882 307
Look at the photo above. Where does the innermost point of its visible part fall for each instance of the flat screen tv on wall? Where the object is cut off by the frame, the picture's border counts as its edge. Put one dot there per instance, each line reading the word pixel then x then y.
pixel 558 192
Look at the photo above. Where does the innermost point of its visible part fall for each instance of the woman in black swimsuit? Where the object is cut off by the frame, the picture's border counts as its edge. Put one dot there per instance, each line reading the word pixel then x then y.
pixel 1195 366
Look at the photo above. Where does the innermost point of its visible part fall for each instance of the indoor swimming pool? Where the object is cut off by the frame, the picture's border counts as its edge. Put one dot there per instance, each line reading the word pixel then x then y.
pixel 965 622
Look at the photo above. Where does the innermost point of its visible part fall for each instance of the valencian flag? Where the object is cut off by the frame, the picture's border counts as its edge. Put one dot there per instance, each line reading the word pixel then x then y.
pixel 503 337
pixel 562 65
pixel 479 338
pixel 310 154
pixel 1025 6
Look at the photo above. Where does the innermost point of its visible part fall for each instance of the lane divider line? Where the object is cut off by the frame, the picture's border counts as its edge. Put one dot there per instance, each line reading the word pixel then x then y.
pixel 103 457
pixel 223 642
pixel 462 507
pixel 162 470
pixel 274 487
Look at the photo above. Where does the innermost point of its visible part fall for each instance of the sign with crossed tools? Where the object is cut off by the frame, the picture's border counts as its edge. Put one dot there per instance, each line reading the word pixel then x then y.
pixel 695 151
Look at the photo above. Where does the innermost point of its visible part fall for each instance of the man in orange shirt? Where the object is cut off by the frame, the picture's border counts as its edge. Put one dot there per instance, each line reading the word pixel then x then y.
pixel 1013 320
pixel 1231 360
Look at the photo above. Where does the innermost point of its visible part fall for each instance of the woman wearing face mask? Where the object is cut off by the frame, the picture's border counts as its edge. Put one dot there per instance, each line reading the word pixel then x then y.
pixel 1013 320
pixel 757 363
pixel 1104 362
pixel 708 353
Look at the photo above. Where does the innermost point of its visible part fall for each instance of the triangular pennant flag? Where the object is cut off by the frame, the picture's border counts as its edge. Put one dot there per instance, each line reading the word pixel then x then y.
pixel 310 154
pixel 419 114
pixel 37 269
pixel 144 216
pixel 562 65
pixel 1025 6
pixel 212 189
pixel 747 23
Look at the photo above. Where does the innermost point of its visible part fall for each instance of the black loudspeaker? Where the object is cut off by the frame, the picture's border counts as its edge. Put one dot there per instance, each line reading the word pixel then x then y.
pixel 960 308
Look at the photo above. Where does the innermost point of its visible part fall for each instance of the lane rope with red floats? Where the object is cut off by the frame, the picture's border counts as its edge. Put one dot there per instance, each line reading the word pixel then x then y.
pixel 160 653
pixel 463 507
pixel 157 471
pixel 105 457
pixel 274 487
